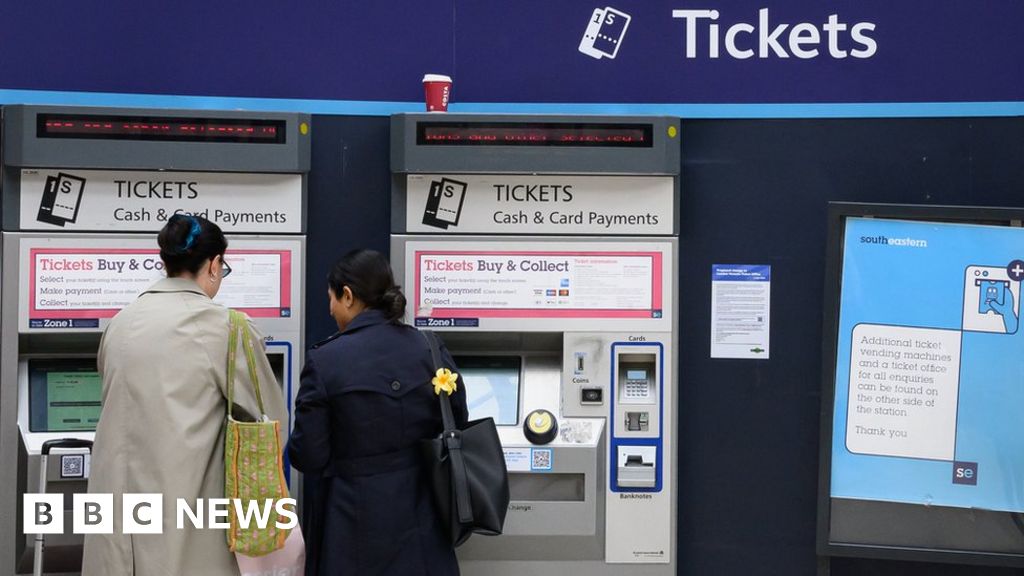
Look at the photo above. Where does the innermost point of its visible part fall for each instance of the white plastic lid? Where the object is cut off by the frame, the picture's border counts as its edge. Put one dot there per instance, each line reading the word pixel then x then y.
pixel 437 78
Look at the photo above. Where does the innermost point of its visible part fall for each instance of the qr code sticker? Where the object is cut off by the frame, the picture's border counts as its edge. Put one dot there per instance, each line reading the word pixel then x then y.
pixel 72 466
pixel 541 459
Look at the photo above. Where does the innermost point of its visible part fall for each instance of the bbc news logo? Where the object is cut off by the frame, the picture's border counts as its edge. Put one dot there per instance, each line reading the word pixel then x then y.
pixel 144 513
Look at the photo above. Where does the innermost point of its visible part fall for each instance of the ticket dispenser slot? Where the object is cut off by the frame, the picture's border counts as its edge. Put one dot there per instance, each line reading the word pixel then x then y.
pixel 636 468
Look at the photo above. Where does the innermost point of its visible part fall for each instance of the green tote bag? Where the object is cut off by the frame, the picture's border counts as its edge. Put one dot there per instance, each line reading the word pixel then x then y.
pixel 253 467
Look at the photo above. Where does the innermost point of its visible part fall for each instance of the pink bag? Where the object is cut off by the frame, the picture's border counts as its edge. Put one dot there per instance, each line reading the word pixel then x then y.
pixel 288 561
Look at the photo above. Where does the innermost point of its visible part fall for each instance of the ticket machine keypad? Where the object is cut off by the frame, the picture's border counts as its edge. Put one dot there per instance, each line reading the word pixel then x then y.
pixel 637 389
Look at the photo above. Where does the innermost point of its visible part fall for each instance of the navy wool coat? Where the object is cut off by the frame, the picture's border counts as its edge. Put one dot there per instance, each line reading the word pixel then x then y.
pixel 364 405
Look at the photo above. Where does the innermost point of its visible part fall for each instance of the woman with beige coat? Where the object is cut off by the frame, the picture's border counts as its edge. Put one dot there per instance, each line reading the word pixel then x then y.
pixel 161 431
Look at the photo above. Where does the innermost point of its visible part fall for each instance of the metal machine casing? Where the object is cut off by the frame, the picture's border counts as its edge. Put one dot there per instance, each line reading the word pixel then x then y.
pixel 552 240
pixel 127 170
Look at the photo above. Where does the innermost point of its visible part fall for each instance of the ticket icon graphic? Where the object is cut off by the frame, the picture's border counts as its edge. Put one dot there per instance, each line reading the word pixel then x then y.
pixel 62 196
pixel 444 203
pixel 605 31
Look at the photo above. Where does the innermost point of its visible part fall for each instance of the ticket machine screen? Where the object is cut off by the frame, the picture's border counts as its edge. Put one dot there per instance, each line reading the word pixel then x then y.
pixel 492 387
pixel 64 395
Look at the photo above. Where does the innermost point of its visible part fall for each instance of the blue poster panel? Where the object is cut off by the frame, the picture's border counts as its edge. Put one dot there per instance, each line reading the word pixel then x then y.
pixel 929 385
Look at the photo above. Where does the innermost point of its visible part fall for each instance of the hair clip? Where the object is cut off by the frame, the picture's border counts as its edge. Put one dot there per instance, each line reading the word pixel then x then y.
pixel 193 233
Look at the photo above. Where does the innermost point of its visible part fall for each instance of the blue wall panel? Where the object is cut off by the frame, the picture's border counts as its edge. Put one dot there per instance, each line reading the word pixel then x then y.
pixel 916 58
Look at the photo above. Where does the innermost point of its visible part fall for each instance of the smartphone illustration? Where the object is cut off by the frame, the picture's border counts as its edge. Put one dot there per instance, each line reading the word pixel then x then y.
pixel 991 300
pixel 992 294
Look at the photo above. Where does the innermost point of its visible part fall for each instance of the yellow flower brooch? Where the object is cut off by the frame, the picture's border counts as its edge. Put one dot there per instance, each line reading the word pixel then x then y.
pixel 445 380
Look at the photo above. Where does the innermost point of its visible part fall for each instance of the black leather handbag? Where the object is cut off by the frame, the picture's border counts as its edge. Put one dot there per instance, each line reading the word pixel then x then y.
pixel 467 471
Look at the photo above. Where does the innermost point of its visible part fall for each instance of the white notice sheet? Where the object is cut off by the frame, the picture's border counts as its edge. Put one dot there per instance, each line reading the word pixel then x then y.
pixel 740 310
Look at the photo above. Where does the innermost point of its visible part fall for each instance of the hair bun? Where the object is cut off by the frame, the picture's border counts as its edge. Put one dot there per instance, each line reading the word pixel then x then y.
pixel 393 302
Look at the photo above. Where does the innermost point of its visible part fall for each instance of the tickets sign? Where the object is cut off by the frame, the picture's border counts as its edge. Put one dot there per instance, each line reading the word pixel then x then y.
pixel 118 200
pixel 524 204
pixel 783 57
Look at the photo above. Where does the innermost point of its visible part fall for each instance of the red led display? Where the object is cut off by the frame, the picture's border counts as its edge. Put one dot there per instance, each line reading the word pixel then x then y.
pixel 101 127
pixel 534 134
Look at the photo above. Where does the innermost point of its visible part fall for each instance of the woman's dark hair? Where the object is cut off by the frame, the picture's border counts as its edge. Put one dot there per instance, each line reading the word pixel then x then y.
pixel 368 275
pixel 188 241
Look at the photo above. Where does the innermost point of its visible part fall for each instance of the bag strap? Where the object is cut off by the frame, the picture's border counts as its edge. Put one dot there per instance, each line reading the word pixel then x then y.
pixel 446 405
pixel 452 441
pixel 239 327
pixel 232 358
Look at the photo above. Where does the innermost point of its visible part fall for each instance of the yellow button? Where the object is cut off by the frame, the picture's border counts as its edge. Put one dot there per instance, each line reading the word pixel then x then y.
pixel 540 427
pixel 540 422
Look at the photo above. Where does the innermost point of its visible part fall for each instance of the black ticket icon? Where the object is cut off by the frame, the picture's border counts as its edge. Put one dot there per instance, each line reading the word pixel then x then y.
pixel 444 203
pixel 62 196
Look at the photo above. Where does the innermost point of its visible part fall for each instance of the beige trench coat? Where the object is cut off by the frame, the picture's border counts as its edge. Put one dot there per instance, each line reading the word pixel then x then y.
pixel 164 365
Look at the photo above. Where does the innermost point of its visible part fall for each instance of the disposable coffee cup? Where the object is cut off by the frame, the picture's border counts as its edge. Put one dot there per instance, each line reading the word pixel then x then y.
pixel 436 88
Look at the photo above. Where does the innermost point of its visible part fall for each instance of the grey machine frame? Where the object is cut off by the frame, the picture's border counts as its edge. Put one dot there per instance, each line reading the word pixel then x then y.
pixel 541 555
pixel 21 147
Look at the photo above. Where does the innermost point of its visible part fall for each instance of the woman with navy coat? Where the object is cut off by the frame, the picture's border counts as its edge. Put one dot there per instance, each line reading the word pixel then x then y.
pixel 364 405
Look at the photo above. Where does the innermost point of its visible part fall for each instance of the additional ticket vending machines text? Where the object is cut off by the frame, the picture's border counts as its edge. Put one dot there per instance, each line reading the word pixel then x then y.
pixel 544 250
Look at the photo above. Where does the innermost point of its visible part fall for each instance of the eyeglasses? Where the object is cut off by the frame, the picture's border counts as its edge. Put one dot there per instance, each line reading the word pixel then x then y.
pixel 226 268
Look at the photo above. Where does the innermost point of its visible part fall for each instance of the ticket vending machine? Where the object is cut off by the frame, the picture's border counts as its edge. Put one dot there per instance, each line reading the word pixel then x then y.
pixel 543 250
pixel 84 192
